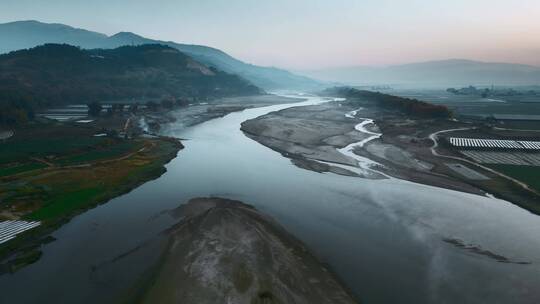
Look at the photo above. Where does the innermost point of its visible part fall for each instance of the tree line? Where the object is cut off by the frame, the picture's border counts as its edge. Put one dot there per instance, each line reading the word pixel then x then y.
pixel 413 107
pixel 16 108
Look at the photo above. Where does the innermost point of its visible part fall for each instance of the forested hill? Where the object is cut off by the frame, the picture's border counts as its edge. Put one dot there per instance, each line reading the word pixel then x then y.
pixel 412 107
pixel 26 34
pixel 62 74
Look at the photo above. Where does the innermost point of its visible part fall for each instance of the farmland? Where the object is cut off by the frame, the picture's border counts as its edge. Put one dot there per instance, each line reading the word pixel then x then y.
pixel 50 173
pixel 527 174
pixel 524 109
pixel 504 158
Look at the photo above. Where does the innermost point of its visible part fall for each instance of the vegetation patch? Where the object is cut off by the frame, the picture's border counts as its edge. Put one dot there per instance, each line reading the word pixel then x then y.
pixel 113 151
pixel 65 202
pixel 527 174
pixel 46 140
pixel 59 74
pixel 413 107
pixel 21 168
pixel 52 183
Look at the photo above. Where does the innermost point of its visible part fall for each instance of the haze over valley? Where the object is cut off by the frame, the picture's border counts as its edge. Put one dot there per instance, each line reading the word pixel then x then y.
pixel 269 152
pixel 433 74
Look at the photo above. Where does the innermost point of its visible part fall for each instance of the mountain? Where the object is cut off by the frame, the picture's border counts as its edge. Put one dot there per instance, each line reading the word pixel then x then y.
pixel 26 34
pixel 54 74
pixel 455 72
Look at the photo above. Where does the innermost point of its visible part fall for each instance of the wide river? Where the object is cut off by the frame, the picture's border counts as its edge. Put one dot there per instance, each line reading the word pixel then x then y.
pixel 384 238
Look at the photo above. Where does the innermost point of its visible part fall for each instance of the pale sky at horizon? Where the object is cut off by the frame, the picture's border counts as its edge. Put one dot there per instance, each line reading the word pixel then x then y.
pixel 304 34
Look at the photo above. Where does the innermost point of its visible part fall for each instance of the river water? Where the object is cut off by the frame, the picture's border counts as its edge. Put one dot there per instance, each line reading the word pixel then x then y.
pixel 384 238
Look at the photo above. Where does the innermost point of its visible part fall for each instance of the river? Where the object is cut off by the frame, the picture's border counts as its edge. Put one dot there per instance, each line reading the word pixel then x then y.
pixel 384 238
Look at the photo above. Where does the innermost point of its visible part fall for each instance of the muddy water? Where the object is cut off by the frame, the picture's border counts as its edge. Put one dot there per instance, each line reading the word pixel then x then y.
pixel 384 238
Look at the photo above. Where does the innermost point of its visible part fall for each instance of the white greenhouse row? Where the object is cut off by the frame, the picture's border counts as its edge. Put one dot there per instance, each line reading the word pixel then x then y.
pixel 494 143
pixel 10 229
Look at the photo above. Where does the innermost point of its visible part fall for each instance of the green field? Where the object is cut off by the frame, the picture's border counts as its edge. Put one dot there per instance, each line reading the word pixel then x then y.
pixel 527 174
pixel 61 145
pixel 469 105
pixel 112 151
pixel 67 202
pixel 55 195
pixel 62 192
pixel 20 150
pixel 16 169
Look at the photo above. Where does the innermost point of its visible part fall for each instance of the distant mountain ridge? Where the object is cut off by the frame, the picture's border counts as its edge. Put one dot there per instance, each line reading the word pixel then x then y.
pixel 27 34
pixel 453 72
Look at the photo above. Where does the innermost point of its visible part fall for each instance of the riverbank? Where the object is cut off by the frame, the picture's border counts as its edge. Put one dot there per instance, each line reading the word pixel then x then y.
pixel 388 143
pixel 53 171
pixel 223 249
pixel 50 180
pixel 200 112
pixel 310 135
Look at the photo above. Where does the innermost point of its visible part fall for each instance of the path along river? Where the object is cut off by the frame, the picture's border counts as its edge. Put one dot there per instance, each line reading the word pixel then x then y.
pixel 384 238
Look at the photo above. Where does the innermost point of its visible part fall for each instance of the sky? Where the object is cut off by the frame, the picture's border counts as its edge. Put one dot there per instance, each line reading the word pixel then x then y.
pixel 314 34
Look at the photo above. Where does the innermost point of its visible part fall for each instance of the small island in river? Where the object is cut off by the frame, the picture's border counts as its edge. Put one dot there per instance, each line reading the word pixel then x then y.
pixel 227 251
